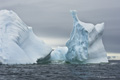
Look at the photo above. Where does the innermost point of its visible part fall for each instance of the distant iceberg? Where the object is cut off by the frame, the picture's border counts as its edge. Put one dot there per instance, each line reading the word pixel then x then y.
pixel 85 43
pixel 19 45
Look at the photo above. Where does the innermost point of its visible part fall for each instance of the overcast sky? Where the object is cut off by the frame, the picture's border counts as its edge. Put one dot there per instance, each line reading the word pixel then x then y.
pixel 52 21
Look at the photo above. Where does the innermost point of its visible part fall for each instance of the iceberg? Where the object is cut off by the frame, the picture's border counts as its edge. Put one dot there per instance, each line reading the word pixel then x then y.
pixel 85 44
pixel 18 43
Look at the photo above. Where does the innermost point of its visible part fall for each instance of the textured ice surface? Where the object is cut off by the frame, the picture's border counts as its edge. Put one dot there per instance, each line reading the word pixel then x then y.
pixel 85 43
pixel 18 43
pixel 78 42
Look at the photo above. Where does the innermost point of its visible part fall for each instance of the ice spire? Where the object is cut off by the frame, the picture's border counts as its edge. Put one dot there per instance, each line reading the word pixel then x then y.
pixel 78 43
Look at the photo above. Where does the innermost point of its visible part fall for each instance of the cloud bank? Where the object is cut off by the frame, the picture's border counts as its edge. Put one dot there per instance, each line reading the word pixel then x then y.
pixel 52 22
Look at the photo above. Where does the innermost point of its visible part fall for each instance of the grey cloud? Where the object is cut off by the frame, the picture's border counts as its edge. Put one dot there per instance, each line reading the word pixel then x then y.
pixel 51 18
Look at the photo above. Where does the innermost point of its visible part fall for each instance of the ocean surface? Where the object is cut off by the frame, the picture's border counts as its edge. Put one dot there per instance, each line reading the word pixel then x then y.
pixel 108 71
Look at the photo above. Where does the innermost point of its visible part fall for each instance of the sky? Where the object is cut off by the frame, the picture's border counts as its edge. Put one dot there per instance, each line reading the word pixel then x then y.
pixel 52 22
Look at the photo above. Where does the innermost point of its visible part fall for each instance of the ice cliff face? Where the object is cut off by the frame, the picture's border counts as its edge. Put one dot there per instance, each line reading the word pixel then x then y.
pixel 18 43
pixel 85 43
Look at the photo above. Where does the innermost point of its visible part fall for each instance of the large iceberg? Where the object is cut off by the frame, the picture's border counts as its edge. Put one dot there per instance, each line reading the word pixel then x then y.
pixel 85 44
pixel 18 43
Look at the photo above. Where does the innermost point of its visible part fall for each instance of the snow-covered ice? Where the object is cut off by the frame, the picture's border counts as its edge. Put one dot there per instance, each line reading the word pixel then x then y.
pixel 18 43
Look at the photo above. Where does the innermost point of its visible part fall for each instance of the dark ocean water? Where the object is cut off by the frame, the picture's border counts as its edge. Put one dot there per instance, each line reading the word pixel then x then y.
pixel 109 71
